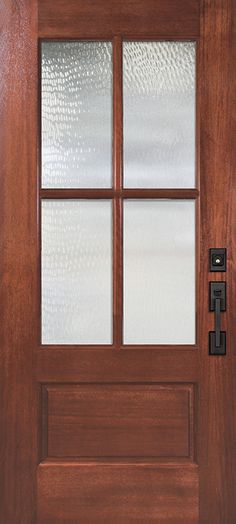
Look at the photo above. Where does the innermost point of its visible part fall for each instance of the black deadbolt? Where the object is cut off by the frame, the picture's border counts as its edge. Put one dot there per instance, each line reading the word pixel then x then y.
pixel 217 259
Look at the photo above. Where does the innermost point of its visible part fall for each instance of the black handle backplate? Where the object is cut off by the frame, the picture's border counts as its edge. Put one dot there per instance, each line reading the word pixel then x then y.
pixel 217 303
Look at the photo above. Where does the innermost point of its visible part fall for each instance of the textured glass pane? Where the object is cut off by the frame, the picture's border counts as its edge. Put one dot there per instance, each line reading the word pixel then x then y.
pixel 76 272
pixel 159 114
pixel 159 272
pixel 76 114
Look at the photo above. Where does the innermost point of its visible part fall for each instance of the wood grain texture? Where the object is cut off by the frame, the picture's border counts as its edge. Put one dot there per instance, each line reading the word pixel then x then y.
pixel 217 407
pixel 231 391
pixel 106 365
pixel 18 262
pixel 117 420
pixel 68 494
pixel 103 19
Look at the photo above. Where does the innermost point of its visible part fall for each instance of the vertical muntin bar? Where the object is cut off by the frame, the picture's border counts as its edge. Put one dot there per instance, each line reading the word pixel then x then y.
pixel 117 202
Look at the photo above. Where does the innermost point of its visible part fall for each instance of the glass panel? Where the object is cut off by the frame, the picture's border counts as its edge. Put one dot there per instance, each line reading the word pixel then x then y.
pixel 159 114
pixel 76 114
pixel 76 272
pixel 159 272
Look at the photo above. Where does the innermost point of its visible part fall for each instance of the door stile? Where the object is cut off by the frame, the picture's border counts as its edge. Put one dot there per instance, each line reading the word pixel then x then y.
pixel 217 405
pixel 19 277
pixel 232 294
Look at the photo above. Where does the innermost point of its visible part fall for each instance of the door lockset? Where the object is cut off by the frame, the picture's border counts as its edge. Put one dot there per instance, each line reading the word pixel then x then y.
pixel 217 259
pixel 217 303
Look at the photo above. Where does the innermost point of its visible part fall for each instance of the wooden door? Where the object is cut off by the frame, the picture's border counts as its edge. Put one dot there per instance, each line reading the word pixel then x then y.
pixel 131 420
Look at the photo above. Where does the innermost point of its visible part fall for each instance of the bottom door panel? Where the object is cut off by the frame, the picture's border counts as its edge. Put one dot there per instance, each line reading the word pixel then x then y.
pixel 118 420
pixel 119 494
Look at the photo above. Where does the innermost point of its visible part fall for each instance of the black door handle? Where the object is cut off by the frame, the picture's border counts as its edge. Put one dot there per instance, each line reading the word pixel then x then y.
pixel 217 303
pixel 217 321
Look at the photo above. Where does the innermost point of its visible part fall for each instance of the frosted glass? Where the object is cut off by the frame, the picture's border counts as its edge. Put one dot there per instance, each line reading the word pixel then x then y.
pixel 76 272
pixel 76 114
pixel 159 114
pixel 159 272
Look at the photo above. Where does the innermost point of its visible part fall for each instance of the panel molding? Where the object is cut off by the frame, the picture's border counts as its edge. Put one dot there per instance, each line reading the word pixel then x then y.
pixel 112 411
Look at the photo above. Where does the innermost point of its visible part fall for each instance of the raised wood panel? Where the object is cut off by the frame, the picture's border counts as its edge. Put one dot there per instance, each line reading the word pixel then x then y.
pixel 117 420
pixel 100 18
pixel 72 494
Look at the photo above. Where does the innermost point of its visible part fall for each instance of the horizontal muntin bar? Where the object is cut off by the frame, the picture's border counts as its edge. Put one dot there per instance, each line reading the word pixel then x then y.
pixel 118 193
